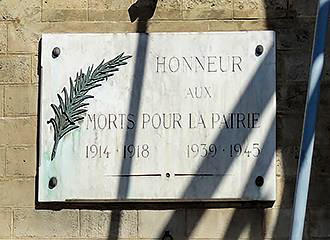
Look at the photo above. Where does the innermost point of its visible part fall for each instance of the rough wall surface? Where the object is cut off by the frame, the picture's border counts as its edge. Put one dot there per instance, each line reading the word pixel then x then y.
pixel 21 24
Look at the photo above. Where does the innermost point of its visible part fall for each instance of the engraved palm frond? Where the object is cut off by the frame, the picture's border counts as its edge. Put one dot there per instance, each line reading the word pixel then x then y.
pixel 71 109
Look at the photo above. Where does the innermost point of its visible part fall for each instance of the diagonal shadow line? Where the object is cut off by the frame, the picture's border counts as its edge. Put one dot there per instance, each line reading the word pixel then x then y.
pixel 134 109
pixel 130 136
pixel 306 142
pixel 244 98
pixel 236 215
pixel 277 223
pixel 232 232
pixel 204 164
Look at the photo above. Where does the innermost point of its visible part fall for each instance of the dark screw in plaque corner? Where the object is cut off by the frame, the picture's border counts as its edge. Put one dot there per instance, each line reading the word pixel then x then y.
pixel 259 181
pixel 52 183
pixel 168 175
pixel 259 50
pixel 167 236
pixel 56 52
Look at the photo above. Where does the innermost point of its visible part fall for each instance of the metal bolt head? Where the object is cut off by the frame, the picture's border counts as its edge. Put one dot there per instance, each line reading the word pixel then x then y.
pixel 259 181
pixel 52 183
pixel 168 175
pixel 56 52
pixel 259 50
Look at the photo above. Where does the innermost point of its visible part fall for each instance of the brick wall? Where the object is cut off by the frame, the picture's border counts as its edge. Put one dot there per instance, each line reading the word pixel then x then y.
pixel 21 24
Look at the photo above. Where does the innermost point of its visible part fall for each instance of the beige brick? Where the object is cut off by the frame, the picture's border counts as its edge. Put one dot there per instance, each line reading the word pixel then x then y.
pixel 64 4
pixel 20 10
pixel 114 4
pixel 224 223
pixel 182 26
pixel 25 38
pixel 207 9
pixel 237 25
pixel 3 37
pixel 168 9
pixel 15 69
pixel 62 10
pixel 153 224
pixel 17 193
pixel 2 161
pixel 18 130
pixel 277 223
pixel 320 222
pixel 21 161
pixel 107 4
pixel 93 27
pixel 5 222
pixel 35 76
pixel 109 10
pixel 108 15
pixel 98 224
pixel 131 27
pixel 291 34
pixel 61 15
pixel 260 8
pixel 42 223
pixel 21 100
pixel 285 188
pixel 2 100
pixel 287 160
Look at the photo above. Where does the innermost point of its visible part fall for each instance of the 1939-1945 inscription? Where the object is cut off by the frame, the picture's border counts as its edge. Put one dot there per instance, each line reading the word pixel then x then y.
pixel 179 116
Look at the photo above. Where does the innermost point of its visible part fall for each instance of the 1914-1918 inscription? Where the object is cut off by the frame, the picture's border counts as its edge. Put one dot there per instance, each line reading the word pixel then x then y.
pixel 157 117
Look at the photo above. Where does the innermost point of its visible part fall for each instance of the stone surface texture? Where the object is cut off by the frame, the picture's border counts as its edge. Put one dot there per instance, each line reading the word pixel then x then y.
pixel 2 161
pixel 184 111
pixel 3 37
pixel 21 100
pixel 43 223
pixel 21 161
pixel 98 224
pixel 21 24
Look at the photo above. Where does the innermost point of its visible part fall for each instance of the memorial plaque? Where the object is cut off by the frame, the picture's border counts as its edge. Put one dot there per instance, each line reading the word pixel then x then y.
pixel 157 117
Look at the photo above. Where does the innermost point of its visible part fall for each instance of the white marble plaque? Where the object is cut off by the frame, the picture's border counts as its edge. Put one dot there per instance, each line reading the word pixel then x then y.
pixel 190 116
